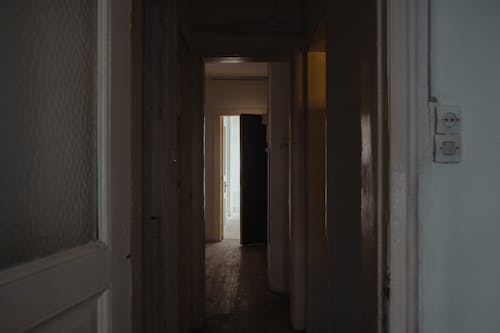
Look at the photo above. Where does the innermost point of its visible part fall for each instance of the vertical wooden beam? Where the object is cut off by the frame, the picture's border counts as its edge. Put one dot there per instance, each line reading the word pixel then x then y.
pixel 370 223
pixel 136 237
pixel 407 56
pixel 278 175
pixel 169 249
pixel 198 221
pixel 297 194
pixel 344 38
pixel 185 164
pixel 153 256
pixel 316 186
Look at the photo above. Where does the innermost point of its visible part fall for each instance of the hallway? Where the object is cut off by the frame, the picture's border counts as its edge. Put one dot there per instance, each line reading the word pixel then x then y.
pixel 352 146
pixel 237 297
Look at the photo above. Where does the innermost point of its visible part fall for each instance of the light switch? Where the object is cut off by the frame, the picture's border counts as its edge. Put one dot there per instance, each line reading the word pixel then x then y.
pixel 448 148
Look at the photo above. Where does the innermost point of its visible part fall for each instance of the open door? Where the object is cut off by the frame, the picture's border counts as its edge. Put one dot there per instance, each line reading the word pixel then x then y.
pixel 65 146
pixel 253 180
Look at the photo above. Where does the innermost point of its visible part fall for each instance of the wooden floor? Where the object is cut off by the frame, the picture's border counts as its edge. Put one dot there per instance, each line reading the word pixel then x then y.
pixel 237 298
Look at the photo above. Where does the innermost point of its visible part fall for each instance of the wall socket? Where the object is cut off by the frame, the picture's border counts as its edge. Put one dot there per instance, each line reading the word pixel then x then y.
pixel 448 119
pixel 448 147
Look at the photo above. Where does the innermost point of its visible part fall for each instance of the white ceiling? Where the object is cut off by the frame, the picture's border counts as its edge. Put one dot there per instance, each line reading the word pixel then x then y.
pixel 239 70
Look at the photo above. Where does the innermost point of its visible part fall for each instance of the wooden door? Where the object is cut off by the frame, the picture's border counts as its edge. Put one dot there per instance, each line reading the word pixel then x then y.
pixel 253 180
pixel 66 166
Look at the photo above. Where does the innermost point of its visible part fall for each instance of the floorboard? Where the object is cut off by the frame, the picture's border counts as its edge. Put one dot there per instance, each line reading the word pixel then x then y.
pixel 237 297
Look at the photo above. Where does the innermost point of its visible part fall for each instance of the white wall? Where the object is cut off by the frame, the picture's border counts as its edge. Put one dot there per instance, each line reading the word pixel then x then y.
pixel 459 215
pixel 224 97
pixel 278 175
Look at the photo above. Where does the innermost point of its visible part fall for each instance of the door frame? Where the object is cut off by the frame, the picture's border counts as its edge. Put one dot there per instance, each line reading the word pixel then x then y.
pixel 217 118
pixel 101 266
pixel 163 273
pixel 407 71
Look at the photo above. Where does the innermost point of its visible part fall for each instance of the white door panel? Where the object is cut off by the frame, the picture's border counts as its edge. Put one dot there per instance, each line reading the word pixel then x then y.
pixel 33 293
pixel 52 279
pixel 80 319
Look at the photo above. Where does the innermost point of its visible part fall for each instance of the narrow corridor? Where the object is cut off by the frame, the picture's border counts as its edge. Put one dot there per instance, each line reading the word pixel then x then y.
pixel 237 297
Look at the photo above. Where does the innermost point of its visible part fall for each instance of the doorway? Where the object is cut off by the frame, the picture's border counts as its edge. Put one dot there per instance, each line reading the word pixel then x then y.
pixel 244 178
pixel 237 133
pixel 231 177
pixel 231 90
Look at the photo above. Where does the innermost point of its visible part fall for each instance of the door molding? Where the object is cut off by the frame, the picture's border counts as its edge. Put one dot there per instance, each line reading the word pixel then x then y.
pixel 407 59
pixel 117 300
pixel 103 153
pixel 77 274
pixel 103 122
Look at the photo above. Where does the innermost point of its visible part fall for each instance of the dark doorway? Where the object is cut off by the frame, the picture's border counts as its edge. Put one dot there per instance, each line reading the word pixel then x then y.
pixel 253 180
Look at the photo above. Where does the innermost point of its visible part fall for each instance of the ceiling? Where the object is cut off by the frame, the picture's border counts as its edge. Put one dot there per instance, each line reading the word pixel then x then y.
pixel 236 70
pixel 243 15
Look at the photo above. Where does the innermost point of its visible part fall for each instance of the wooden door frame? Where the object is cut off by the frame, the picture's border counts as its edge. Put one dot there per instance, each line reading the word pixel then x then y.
pixel 407 70
pixel 218 172
pixel 218 193
pixel 155 291
pixel 297 193
pixel 162 32
pixel 136 237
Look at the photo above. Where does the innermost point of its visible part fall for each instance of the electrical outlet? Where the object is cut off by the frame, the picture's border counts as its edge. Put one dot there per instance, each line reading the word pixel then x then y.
pixel 448 119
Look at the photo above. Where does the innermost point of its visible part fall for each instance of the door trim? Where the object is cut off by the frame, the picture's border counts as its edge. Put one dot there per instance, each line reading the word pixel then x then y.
pixel 69 277
pixel 103 143
pixel 103 122
pixel 407 58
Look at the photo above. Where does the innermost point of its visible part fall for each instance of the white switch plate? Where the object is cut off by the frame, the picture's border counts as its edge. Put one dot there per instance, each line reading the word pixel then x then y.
pixel 448 148
pixel 448 119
